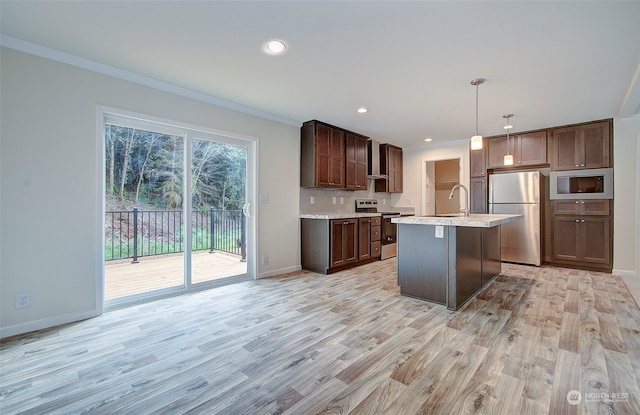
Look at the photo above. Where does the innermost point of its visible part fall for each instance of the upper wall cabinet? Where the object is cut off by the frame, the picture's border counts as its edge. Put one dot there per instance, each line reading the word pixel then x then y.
pixel 528 149
pixel 585 146
pixel 332 157
pixel 356 161
pixel 391 166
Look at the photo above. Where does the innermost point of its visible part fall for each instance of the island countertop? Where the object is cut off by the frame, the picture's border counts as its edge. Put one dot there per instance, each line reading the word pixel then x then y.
pixel 472 221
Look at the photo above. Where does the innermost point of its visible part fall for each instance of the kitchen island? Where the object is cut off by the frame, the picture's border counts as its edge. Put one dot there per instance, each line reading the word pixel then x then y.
pixel 447 260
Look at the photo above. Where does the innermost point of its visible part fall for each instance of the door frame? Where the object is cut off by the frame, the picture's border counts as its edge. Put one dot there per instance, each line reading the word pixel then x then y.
pixel 463 163
pixel 187 131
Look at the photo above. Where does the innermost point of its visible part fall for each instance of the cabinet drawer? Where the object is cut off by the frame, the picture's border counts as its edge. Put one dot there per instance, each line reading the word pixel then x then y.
pixel 375 233
pixel 376 221
pixel 375 249
pixel 581 207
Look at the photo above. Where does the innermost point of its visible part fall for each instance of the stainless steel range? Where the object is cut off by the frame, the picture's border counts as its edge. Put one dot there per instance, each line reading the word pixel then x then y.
pixel 389 231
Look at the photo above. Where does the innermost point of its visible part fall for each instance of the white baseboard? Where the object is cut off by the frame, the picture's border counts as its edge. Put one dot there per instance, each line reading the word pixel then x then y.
pixel 279 271
pixel 623 272
pixel 46 323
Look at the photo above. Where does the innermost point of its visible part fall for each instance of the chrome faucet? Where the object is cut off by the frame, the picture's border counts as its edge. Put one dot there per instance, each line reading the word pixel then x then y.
pixel 464 210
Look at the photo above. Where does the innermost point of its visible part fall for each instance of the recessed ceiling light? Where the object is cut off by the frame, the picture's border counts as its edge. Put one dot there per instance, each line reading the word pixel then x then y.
pixel 428 140
pixel 275 47
pixel 362 110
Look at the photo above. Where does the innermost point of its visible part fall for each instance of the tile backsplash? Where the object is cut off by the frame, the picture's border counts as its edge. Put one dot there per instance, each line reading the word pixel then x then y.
pixel 345 201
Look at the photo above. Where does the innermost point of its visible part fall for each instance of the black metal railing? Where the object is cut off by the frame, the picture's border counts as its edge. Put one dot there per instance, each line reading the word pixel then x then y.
pixel 137 233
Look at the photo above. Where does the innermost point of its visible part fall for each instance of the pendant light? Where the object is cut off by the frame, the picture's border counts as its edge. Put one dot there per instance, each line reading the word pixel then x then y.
pixel 508 158
pixel 476 140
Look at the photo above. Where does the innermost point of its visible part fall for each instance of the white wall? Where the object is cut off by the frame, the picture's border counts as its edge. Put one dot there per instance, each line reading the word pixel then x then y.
pixel 414 169
pixel 49 193
pixel 625 228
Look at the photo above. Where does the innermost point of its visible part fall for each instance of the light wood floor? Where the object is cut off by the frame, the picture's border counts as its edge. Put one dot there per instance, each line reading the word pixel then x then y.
pixel 345 343
pixel 122 278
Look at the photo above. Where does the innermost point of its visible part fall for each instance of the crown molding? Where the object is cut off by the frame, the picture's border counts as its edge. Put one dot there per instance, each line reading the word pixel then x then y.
pixel 66 58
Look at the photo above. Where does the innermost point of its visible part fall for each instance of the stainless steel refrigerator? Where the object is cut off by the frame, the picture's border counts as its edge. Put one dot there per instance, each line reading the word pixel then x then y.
pixel 518 192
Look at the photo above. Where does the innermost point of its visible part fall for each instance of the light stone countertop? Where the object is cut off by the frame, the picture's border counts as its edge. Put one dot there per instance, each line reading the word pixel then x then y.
pixel 339 215
pixel 472 221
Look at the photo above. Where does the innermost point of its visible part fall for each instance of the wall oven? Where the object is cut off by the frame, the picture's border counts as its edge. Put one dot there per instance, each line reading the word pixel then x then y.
pixel 581 184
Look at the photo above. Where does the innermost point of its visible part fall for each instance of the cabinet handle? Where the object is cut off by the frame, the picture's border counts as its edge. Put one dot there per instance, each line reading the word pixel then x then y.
pixel 582 221
pixel 577 221
pixel 577 202
pixel 582 165
pixel 482 181
pixel 582 201
pixel 577 165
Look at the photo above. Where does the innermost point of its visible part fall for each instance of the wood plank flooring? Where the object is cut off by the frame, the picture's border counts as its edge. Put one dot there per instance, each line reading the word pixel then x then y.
pixel 345 343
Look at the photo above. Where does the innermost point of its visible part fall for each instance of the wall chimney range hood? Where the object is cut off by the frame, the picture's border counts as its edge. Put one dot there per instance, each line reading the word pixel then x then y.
pixel 374 160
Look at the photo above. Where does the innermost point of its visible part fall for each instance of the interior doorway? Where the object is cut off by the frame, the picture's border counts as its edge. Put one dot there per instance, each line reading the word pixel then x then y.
pixel 440 177
pixel 177 209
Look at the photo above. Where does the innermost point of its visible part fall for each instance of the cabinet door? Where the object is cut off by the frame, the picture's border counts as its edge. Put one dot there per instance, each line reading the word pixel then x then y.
pixel 338 257
pixel 477 162
pixel 566 238
pixel 478 190
pixel 344 241
pixel 532 149
pixel 364 238
pixel 336 158
pixel 595 239
pixel 323 141
pixel 350 240
pixel 395 169
pixel 595 145
pixel 391 165
pixel 566 207
pixel 356 162
pixel 497 149
pixel 595 207
pixel 566 146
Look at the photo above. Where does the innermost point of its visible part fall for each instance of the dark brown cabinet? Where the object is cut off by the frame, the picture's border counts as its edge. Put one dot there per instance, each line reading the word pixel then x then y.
pixel 477 162
pixel 528 149
pixel 478 180
pixel 391 166
pixel 376 234
pixel 582 234
pixel 478 195
pixel 322 155
pixel 329 245
pixel 344 242
pixel 585 146
pixel 356 161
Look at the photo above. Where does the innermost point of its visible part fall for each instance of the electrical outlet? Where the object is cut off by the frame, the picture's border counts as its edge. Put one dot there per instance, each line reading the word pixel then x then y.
pixel 23 300
pixel 334 200
pixel 341 200
pixel 265 260
pixel 312 200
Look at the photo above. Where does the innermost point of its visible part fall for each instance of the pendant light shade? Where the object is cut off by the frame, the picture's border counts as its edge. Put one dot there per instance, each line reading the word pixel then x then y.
pixel 508 158
pixel 476 140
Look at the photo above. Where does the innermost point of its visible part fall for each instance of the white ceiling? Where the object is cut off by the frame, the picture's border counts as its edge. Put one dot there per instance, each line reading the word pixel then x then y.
pixel 411 63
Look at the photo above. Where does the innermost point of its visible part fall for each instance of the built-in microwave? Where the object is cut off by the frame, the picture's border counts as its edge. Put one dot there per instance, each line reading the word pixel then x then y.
pixel 581 184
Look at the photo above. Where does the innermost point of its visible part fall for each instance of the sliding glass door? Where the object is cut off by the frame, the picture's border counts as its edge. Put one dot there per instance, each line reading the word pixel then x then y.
pixel 160 235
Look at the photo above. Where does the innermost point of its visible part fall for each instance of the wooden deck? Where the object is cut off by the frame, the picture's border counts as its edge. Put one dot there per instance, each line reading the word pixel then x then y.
pixel 122 278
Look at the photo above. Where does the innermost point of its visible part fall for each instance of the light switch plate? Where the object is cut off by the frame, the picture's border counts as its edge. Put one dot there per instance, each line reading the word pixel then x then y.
pixel 439 231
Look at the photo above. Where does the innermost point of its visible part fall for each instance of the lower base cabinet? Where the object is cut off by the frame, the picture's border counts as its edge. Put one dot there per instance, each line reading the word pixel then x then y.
pixel 330 245
pixel 582 234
